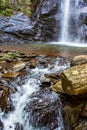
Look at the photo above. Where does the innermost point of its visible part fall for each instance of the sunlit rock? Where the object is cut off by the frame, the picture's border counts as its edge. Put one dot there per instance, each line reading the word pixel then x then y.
pixel 78 60
pixel 82 125
pixel 19 66
pixel 57 87
pixel 10 74
pixel 1 125
pixel 32 63
pixel 74 80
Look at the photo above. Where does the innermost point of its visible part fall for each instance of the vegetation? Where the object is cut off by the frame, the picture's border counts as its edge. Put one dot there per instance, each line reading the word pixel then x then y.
pixel 8 7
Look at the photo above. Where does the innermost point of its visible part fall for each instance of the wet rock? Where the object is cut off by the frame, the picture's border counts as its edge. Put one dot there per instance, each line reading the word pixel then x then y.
pixel 32 63
pixel 82 29
pixel 45 84
pixel 1 125
pixel 74 80
pixel 78 60
pixel 16 28
pixel 53 77
pixel 4 99
pixel 43 109
pixel 18 126
pixel 22 29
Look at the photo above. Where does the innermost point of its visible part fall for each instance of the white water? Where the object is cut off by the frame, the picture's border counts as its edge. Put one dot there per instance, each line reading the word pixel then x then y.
pixel 21 97
pixel 65 7
pixel 70 22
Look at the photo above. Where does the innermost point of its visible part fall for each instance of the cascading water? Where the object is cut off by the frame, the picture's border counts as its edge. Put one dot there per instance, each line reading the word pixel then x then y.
pixel 65 6
pixel 21 98
pixel 72 30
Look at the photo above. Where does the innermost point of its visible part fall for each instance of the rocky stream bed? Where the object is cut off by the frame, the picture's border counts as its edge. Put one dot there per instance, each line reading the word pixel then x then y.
pixel 31 95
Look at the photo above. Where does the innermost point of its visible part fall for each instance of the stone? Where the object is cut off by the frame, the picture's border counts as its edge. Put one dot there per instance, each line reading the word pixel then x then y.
pixel 82 125
pixel 10 74
pixel 1 125
pixel 71 115
pixel 78 60
pixel 18 126
pixel 4 99
pixel 19 66
pixel 74 80
pixel 54 78
pixel 57 87
pixel 32 63
pixel 42 109
pixel 84 110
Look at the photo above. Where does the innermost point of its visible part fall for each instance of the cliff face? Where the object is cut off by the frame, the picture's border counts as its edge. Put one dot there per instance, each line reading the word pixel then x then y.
pixel 40 20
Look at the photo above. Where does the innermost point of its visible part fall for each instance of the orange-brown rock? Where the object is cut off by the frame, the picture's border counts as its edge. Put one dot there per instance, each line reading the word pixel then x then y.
pixel 4 99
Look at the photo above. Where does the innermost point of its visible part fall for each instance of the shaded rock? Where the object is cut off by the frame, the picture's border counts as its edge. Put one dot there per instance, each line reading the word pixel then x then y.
pixel 84 110
pixel 78 60
pixel 18 126
pixel 71 115
pixel 1 125
pixel 42 110
pixel 74 80
pixel 82 125
pixel 4 99
pixel 53 77
pixel 45 84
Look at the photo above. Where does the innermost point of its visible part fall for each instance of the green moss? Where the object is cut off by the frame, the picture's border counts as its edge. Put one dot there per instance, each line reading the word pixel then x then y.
pixel 7 12
pixel 8 7
pixel 28 11
pixel 9 55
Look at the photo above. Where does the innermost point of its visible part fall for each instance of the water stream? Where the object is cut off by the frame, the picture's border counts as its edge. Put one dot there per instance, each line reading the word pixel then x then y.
pixel 21 98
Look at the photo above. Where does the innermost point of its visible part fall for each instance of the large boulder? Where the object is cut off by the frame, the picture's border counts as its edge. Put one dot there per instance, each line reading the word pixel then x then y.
pixel 42 110
pixel 74 80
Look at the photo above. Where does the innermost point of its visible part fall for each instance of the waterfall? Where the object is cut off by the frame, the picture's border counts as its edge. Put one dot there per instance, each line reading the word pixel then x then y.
pixel 65 6
pixel 70 22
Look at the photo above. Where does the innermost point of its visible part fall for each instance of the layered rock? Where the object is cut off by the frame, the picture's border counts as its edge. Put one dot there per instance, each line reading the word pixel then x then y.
pixel 40 27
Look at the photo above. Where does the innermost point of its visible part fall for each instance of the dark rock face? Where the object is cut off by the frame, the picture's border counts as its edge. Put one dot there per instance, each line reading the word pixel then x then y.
pixel 83 21
pixel 21 29
pixel 43 109
pixel 18 126
pixel 16 29
pixel 1 125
